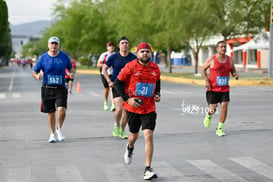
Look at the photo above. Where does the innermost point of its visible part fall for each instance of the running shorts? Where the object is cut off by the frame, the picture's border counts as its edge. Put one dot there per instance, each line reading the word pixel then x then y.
pixel 217 97
pixel 135 121
pixel 52 97
pixel 115 93
pixel 69 79
pixel 104 81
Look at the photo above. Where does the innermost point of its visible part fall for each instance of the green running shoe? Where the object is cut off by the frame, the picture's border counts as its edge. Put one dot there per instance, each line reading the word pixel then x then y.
pixel 106 107
pixel 123 135
pixel 207 121
pixel 113 107
pixel 219 132
pixel 116 131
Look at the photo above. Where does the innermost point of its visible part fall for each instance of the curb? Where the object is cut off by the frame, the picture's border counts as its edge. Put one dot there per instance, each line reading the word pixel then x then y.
pixel 197 82
pixel 231 82
pixel 93 72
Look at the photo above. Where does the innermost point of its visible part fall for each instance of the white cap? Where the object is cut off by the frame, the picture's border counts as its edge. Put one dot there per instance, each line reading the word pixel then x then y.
pixel 54 39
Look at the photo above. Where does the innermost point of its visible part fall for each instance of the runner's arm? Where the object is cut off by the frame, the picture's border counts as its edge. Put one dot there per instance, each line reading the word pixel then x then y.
pixel 233 69
pixel 100 64
pixel 157 90
pixel 158 87
pixel 106 76
pixel 120 88
pixel 71 72
pixel 204 68
pixel 37 76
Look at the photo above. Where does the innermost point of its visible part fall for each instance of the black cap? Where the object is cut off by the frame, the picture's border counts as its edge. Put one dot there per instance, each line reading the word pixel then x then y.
pixel 123 38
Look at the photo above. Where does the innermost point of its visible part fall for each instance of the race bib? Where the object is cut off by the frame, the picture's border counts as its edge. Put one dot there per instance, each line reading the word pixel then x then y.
pixel 145 89
pixel 54 79
pixel 222 80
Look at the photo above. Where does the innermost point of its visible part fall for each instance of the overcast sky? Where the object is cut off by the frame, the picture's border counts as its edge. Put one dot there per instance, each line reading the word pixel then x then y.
pixel 23 11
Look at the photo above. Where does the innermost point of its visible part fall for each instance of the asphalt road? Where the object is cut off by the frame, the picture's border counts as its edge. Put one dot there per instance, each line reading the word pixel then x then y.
pixel 184 149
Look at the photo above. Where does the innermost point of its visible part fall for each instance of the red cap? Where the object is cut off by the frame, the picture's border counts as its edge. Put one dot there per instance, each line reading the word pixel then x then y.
pixel 109 43
pixel 143 46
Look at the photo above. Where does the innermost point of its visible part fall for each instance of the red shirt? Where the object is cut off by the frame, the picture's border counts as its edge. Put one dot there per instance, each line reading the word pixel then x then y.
pixel 219 75
pixel 66 70
pixel 141 83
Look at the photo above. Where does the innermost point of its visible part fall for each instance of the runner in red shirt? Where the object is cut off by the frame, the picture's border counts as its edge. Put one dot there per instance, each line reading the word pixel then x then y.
pixel 139 86
pixel 70 78
pixel 220 66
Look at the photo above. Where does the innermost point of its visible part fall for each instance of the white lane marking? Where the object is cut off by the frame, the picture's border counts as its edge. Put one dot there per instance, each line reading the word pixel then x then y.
pixel 169 173
pixel 168 92
pixel 19 175
pixel 2 95
pixel 117 173
pixel 11 81
pixel 216 171
pixel 68 174
pixel 16 95
pixel 255 165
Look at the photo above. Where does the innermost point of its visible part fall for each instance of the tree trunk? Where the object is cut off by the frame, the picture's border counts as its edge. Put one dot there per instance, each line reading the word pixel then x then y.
pixel 195 53
pixel 169 49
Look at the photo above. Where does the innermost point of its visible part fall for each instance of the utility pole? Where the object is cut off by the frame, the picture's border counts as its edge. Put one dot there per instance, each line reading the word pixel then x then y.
pixel 271 42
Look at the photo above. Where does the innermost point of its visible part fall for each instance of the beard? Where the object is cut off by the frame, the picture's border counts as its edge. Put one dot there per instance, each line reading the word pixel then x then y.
pixel 145 59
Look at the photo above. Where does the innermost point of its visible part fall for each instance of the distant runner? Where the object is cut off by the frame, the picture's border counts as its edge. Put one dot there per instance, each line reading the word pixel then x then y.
pixel 220 66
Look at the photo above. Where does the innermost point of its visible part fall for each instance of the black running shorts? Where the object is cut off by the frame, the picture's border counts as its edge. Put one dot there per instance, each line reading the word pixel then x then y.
pixel 147 121
pixel 104 81
pixel 69 79
pixel 52 97
pixel 115 93
pixel 217 97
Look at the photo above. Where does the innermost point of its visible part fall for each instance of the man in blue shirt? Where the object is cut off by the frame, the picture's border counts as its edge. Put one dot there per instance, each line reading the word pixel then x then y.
pixel 118 61
pixel 51 69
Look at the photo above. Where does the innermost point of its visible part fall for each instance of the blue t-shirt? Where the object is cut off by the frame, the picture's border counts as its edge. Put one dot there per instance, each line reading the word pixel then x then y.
pixel 53 68
pixel 118 62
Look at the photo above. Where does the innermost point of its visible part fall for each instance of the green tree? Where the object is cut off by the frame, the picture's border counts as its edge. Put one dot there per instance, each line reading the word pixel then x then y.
pixel 178 24
pixel 150 21
pixel 169 25
pixel 5 38
pixel 85 26
pixel 131 18
pixel 197 27
pixel 81 27
pixel 236 17
pixel 31 49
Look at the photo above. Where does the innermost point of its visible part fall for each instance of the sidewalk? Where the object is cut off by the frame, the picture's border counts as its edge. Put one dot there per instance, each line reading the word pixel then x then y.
pixel 190 69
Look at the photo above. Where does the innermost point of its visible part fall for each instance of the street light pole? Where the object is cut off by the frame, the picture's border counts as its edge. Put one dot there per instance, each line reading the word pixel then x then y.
pixel 271 42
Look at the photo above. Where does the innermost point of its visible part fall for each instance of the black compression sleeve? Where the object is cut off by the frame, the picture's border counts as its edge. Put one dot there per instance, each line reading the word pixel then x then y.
pixel 120 88
pixel 158 87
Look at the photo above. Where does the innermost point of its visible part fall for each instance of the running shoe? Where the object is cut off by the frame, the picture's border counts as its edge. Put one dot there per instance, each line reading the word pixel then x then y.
pixel 113 107
pixel 123 135
pixel 60 135
pixel 149 174
pixel 128 154
pixel 105 107
pixel 207 121
pixel 52 138
pixel 116 131
pixel 219 132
